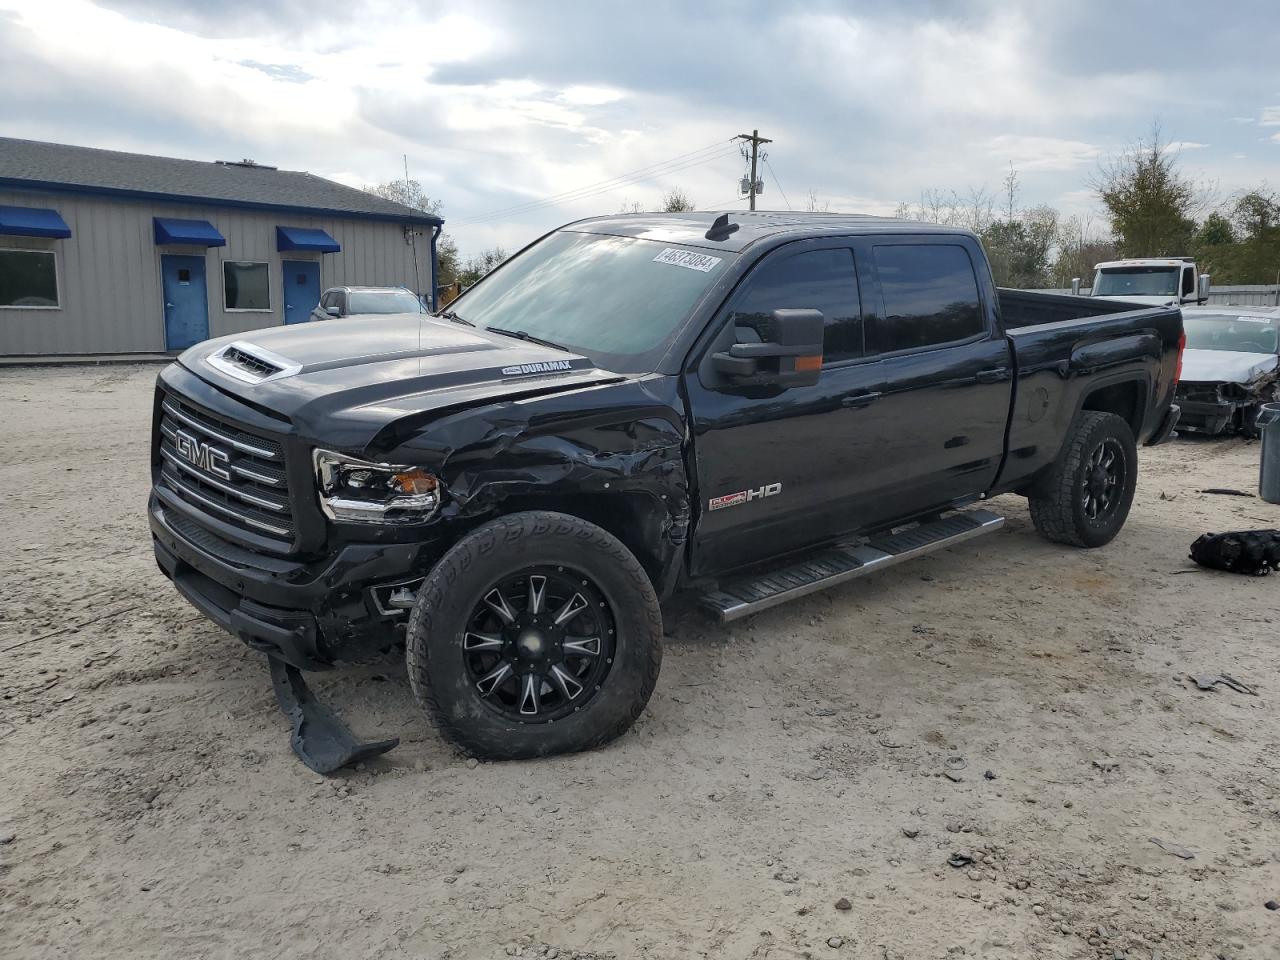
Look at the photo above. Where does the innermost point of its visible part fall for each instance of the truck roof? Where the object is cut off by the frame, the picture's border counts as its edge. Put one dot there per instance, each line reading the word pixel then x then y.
pixel 1146 262
pixel 691 228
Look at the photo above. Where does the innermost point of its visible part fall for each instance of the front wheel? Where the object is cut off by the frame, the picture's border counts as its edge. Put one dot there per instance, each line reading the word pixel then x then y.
pixel 538 633
pixel 1085 498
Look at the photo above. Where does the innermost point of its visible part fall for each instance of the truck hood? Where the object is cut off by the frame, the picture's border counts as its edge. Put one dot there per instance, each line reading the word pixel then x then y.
pixel 1225 366
pixel 347 379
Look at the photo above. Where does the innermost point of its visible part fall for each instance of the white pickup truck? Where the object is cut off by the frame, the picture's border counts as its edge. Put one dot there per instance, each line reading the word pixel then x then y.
pixel 1155 282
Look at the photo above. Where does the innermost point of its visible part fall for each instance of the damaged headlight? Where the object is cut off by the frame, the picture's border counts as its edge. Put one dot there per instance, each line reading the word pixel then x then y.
pixel 362 492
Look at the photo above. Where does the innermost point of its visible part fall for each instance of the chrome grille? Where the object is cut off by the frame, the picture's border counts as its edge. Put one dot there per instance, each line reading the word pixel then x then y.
pixel 224 471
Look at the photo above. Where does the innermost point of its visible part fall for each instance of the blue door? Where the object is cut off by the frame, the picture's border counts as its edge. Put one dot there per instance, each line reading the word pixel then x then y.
pixel 186 302
pixel 301 289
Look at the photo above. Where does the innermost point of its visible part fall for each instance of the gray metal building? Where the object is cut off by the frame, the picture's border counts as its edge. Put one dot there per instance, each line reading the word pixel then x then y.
pixel 107 252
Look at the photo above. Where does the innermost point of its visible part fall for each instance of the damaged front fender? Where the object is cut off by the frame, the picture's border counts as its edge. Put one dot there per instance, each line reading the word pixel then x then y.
pixel 612 454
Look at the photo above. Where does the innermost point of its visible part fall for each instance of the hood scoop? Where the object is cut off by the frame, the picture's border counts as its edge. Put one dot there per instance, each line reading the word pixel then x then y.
pixel 250 363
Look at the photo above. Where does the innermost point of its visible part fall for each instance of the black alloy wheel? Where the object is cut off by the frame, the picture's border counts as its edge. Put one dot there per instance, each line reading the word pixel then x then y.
pixel 537 633
pixel 1103 481
pixel 539 644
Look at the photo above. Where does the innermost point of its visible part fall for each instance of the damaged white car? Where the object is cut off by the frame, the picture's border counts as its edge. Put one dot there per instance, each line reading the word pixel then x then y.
pixel 1230 368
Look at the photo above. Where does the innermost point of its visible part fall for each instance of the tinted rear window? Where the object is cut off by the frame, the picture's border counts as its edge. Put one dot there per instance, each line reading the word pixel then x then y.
pixel 930 296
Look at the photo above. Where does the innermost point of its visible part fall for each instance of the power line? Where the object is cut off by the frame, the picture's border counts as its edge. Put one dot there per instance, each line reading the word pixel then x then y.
pixel 777 184
pixel 679 162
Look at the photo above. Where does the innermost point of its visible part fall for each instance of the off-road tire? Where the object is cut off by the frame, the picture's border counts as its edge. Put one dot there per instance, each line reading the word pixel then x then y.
pixel 1055 500
pixel 455 585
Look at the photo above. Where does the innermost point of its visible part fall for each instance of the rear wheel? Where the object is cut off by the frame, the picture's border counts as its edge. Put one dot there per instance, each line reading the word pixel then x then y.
pixel 536 634
pixel 1085 498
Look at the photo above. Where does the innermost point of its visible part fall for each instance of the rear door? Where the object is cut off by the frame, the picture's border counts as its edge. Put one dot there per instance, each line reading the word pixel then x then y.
pixel 781 468
pixel 947 370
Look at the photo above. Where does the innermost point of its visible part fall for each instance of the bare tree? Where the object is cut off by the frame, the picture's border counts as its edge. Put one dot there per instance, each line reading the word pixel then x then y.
pixel 631 206
pixel 814 205
pixel 408 192
pixel 676 200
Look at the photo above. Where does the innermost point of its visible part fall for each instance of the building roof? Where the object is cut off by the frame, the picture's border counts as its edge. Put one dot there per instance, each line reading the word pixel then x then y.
pixel 61 167
pixel 691 228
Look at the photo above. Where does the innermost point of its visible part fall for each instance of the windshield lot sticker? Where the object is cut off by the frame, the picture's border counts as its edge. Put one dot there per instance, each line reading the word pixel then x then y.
pixel 690 261
pixel 744 496
pixel 544 366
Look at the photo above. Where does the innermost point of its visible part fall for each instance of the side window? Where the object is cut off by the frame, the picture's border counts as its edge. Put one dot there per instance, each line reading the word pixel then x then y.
pixel 1188 282
pixel 817 280
pixel 930 296
pixel 330 299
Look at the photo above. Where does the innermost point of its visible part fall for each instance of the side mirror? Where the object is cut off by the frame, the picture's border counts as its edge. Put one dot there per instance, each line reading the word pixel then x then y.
pixel 333 311
pixel 1075 286
pixel 791 354
pixel 1203 292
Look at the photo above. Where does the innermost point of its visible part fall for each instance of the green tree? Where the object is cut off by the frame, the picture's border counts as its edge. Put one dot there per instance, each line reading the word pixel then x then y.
pixel 1215 231
pixel 477 266
pixel 1019 248
pixel 1150 203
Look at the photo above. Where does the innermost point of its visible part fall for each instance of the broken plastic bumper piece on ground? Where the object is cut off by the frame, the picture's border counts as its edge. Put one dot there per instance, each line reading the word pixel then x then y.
pixel 320 739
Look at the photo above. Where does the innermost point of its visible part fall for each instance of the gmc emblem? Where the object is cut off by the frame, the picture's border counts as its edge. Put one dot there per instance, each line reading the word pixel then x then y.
pixel 199 454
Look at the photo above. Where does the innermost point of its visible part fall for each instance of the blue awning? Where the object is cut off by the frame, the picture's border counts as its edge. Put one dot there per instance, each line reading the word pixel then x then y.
pixel 305 238
pixel 32 222
pixel 194 233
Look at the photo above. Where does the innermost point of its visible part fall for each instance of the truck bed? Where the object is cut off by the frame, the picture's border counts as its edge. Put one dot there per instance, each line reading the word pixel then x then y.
pixel 1027 308
pixel 1069 352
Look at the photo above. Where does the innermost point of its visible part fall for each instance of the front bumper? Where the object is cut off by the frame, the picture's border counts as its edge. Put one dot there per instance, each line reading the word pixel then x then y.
pixel 1201 416
pixel 309 614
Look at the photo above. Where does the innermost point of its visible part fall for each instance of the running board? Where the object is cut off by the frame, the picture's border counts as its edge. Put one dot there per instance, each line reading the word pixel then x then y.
pixel 748 595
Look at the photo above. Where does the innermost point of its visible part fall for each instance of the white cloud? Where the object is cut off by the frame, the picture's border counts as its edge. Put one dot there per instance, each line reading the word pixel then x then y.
pixel 1178 145
pixel 1270 117
pixel 1239 119
pixel 1042 153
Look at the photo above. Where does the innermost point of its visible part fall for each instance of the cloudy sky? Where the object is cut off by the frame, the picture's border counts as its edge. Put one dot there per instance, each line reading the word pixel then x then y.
pixel 499 105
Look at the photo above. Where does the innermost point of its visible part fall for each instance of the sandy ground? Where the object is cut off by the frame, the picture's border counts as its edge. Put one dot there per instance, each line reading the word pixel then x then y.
pixel 785 795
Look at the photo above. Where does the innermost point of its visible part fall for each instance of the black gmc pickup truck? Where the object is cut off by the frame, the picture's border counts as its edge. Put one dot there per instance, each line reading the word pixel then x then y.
pixel 745 407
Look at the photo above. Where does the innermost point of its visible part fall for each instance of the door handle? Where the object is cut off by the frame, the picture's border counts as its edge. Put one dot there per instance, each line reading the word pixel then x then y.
pixel 994 375
pixel 859 400
pixel 168 304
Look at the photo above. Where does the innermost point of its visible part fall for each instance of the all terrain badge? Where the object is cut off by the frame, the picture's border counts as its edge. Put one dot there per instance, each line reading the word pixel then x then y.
pixel 744 496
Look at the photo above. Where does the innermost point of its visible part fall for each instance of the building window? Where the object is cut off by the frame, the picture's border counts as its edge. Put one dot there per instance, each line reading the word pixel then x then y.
pixel 246 285
pixel 28 279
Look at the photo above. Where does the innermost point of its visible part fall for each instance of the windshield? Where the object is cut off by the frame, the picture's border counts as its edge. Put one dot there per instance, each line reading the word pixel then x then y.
pixel 1136 282
pixel 1231 332
pixel 617 300
pixel 383 301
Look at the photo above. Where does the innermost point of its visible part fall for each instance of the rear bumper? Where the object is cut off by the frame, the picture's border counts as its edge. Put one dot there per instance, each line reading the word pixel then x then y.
pixel 308 614
pixel 1172 417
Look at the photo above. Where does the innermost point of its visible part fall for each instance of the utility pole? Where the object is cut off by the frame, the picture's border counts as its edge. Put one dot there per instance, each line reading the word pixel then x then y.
pixel 755 140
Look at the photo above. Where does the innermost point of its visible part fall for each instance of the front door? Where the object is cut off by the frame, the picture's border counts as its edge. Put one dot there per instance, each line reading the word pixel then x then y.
pixel 783 468
pixel 301 289
pixel 186 302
